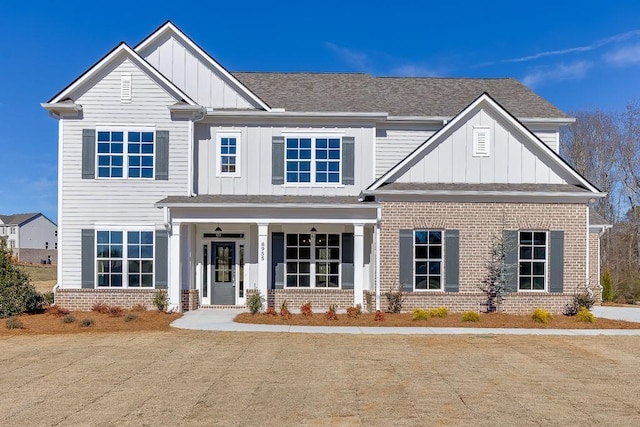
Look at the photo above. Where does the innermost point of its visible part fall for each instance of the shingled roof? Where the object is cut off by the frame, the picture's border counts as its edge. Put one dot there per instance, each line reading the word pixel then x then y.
pixel 398 96
pixel 17 219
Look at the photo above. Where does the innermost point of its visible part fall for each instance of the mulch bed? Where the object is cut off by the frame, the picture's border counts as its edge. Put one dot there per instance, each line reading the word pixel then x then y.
pixel 453 320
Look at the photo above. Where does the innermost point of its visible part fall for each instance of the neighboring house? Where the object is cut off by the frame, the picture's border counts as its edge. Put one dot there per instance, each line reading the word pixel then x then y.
pixel 32 237
pixel 331 188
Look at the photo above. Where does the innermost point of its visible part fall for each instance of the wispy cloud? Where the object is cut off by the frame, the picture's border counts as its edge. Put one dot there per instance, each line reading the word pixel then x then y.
pixel 558 72
pixel 356 59
pixel 586 48
pixel 627 55
pixel 413 70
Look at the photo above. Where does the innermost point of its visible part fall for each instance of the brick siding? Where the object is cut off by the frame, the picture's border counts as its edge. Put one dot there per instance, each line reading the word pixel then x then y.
pixel 84 299
pixel 190 300
pixel 477 223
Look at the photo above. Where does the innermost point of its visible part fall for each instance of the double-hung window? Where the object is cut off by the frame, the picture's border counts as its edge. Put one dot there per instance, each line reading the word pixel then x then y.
pixel 313 160
pixel 125 153
pixel 532 260
pixel 427 246
pixel 228 154
pixel 124 258
pixel 313 261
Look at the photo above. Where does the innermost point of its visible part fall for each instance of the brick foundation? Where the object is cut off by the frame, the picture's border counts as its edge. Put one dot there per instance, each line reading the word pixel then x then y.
pixel 84 299
pixel 320 298
pixel 190 300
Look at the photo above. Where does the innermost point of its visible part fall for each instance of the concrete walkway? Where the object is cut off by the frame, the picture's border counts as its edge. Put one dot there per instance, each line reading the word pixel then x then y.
pixel 222 320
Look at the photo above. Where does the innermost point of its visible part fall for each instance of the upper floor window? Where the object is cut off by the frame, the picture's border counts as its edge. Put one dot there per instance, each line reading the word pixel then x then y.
pixel 313 160
pixel 228 154
pixel 125 154
pixel 532 260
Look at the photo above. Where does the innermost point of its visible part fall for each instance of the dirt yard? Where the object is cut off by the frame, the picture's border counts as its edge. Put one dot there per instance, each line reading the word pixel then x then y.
pixel 43 277
pixel 213 378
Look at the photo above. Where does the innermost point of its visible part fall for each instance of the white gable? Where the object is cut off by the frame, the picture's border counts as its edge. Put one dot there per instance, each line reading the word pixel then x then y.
pixel 511 158
pixel 194 71
pixel 515 154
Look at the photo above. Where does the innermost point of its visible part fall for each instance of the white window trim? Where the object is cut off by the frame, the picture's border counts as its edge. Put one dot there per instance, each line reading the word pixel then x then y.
pixel 125 161
pixel 546 262
pixel 442 252
pixel 313 136
pixel 125 259
pixel 477 131
pixel 312 261
pixel 218 156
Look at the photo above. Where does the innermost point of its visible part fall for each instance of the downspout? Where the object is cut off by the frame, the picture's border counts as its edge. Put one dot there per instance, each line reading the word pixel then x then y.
pixel 379 219
pixel 589 291
pixel 191 179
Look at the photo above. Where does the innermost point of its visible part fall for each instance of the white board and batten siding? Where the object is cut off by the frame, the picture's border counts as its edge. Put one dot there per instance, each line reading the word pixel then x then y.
pixel 256 161
pixel 87 202
pixel 512 158
pixel 193 75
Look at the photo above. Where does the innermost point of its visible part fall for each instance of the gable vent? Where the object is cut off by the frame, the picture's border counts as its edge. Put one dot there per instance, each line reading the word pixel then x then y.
pixel 481 141
pixel 125 87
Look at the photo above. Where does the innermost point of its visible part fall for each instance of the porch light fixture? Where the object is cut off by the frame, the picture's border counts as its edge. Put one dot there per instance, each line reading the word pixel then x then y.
pixel 218 231
pixel 313 232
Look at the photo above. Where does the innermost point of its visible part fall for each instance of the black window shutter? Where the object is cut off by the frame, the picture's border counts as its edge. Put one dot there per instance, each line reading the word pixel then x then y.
pixel 452 261
pixel 88 262
pixel 348 160
pixel 406 260
pixel 162 259
pixel 277 160
pixel 556 261
pixel 347 260
pixel 510 241
pixel 277 260
pixel 88 153
pixel 162 155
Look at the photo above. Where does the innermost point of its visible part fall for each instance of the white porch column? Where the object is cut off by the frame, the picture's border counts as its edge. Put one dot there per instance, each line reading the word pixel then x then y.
pixel 358 264
pixel 263 259
pixel 175 264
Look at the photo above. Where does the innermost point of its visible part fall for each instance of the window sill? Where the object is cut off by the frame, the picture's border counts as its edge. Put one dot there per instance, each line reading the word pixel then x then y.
pixel 308 185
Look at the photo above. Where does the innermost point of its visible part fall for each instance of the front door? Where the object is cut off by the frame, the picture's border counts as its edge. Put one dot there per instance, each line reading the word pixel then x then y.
pixel 223 273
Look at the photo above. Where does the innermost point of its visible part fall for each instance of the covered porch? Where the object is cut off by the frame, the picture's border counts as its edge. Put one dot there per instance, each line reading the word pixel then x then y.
pixel 293 248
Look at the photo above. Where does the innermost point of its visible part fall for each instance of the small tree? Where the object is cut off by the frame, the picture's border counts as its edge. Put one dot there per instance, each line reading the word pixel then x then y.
pixel 17 294
pixel 607 286
pixel 494 283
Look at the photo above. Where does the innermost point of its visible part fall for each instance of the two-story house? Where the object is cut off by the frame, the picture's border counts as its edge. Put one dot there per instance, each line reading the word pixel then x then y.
pixel 32 237
pixel 176 174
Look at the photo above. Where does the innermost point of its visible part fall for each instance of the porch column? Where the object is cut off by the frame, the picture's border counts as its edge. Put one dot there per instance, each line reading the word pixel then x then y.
pixel 175 263
pixel 263 260
pixel 358 264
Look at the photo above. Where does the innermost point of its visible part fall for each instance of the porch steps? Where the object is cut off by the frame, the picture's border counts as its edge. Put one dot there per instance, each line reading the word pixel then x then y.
pixel 223 307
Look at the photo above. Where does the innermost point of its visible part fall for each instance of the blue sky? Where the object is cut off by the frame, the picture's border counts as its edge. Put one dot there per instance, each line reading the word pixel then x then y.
pixel 577 57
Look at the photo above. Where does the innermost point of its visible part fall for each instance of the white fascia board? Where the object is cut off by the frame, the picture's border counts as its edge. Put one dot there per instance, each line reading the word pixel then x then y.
pixel 186 40
pixel 489 196
pixel 274 220
pixel 122 49
pixel 268 205
pixel 59 109
pixel 463 115
pixel 307 114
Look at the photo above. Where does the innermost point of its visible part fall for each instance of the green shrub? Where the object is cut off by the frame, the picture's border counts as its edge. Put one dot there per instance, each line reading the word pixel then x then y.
pixel 255 302
pixel 607 286
pixel 541 316
pixel 17 294
pixel 14 323
pixel 161 300
pixel 49 298
pixel 130 317
pixel 87 322
pixel 439 312
pixel 69 318
pixel 470 316
pixel 584 315
pixel 420 314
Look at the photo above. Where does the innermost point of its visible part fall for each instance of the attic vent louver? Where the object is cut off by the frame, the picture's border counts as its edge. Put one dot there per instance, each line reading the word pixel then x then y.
pixel 481 141
pixel 125 87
